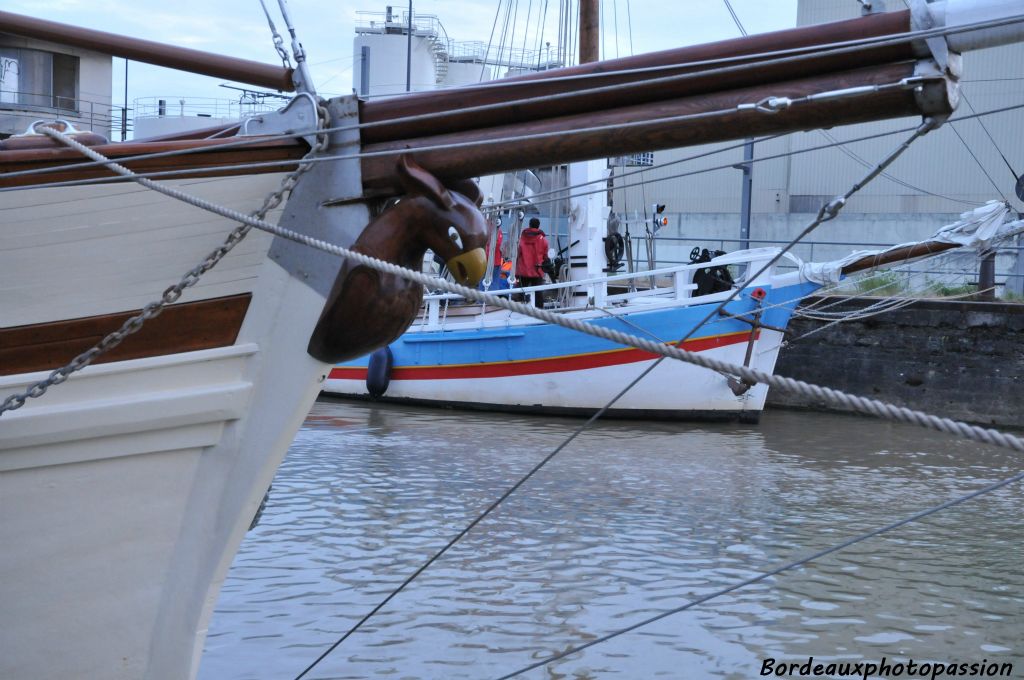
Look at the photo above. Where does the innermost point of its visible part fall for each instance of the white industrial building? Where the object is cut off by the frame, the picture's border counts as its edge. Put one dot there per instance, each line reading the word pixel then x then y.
pixel 383 67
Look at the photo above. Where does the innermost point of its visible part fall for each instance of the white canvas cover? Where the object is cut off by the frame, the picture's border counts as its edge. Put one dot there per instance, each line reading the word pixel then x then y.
pixel 977 228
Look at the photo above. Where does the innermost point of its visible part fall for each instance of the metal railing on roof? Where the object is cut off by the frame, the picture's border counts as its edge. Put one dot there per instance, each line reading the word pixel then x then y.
pixel 202 107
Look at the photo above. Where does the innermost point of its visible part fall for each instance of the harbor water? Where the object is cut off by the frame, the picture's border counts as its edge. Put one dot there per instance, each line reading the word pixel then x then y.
pixel 631 519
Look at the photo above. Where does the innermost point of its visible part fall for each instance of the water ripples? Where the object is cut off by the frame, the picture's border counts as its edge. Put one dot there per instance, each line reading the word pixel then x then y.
pixel 631 520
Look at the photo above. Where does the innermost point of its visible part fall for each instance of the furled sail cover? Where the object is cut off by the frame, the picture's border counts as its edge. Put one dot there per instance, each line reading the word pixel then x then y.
pixel 977 228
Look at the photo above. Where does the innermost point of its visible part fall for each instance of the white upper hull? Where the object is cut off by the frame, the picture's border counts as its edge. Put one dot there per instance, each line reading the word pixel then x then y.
pixel 70 252
pixel 126 490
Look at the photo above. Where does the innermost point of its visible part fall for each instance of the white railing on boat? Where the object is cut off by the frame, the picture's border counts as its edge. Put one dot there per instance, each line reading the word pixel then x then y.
pixel 676 285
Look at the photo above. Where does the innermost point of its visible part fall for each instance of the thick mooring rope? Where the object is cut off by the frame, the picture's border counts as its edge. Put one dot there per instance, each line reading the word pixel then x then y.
pixel 832 397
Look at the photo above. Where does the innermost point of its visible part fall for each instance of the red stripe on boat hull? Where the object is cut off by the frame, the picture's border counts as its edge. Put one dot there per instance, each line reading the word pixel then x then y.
pixel 573 362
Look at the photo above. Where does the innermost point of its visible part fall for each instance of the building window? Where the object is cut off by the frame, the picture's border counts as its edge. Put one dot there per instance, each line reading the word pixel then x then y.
pixel 38 79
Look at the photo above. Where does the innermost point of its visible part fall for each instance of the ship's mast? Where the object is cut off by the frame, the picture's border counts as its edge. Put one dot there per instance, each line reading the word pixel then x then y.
pixel 587 214
pixel 590 23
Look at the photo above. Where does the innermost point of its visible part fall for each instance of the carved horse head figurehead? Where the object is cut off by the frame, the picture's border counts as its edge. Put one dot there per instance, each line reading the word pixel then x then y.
pixel 367 309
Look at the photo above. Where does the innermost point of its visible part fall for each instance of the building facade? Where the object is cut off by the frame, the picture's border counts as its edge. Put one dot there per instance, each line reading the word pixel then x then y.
pixel 43 80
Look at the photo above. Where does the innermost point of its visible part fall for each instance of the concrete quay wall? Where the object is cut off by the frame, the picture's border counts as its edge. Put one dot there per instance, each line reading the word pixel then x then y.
pixel 962 360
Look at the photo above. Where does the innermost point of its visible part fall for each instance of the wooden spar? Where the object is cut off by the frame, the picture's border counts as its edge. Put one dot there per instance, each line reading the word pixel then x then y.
pixel 478 154
pixel 911 252
pixel 159 54
pixel 540 85
pixel 673 87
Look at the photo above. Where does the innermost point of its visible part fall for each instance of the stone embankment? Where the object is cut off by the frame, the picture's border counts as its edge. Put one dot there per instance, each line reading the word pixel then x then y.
pixel 962 360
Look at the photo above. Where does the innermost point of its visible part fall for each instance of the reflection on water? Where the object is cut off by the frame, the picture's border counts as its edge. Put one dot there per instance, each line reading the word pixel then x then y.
pixel 630 520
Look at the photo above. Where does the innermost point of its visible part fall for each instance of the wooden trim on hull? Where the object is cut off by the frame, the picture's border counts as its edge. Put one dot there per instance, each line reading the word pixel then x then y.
pixel 63 160
pixel 183 327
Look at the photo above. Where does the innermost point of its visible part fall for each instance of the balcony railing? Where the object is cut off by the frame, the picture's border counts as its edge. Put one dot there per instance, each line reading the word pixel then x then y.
pixel 97 116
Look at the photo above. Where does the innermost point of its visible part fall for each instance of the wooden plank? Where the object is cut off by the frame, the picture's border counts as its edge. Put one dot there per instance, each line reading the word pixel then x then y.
pixel 180 328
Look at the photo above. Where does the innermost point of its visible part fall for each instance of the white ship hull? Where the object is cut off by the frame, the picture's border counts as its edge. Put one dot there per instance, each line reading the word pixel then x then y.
pixel 126 490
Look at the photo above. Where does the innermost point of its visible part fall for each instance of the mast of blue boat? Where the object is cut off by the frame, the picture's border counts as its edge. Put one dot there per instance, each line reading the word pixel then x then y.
pixel 586 228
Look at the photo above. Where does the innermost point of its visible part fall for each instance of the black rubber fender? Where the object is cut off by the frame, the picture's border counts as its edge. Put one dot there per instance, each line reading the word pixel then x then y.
pixel 378 373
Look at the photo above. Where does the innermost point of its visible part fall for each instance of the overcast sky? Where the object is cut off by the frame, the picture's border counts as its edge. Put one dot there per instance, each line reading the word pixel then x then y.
pixel 326 29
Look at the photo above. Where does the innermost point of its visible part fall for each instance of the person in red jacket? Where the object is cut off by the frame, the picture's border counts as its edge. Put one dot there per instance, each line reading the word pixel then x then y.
pixel 532 258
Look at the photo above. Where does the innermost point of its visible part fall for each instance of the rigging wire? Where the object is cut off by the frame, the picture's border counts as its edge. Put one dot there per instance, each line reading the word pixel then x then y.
pixel 889 176
pixel 990 80
pixel 526 29
pixel 831 49
pixel 563 37
pixel 540 36
pixel 561 195
pixel 827 213
pixel 574 32
pixel 490 40
pixel 991 138
pixel 500 45
pixel 615 11
pixel 512 34
pixel 789 566
pixel 865 405
pixel 566 46
pixel 755 160
pixel 430 116
pixel 756 579
pixel 978 161
pixel 629 19
pixel 735 18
